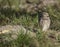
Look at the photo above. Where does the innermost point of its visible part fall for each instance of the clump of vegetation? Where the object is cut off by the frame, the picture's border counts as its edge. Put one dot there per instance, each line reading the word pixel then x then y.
pixel 42 39
pixel 30 22
pixel 22 40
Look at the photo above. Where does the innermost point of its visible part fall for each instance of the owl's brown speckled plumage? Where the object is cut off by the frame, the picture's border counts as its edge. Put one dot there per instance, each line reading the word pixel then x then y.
pixel 45 21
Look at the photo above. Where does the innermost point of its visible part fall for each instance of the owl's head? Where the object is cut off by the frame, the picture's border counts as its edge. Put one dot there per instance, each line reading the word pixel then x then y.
pixel 45 14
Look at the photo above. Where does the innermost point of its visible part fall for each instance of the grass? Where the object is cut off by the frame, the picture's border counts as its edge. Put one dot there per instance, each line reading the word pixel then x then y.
pixel 22 40
pixel 42 39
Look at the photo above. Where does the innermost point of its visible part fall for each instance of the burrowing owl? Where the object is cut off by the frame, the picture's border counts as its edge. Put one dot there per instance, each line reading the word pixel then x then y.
pixel 45 21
